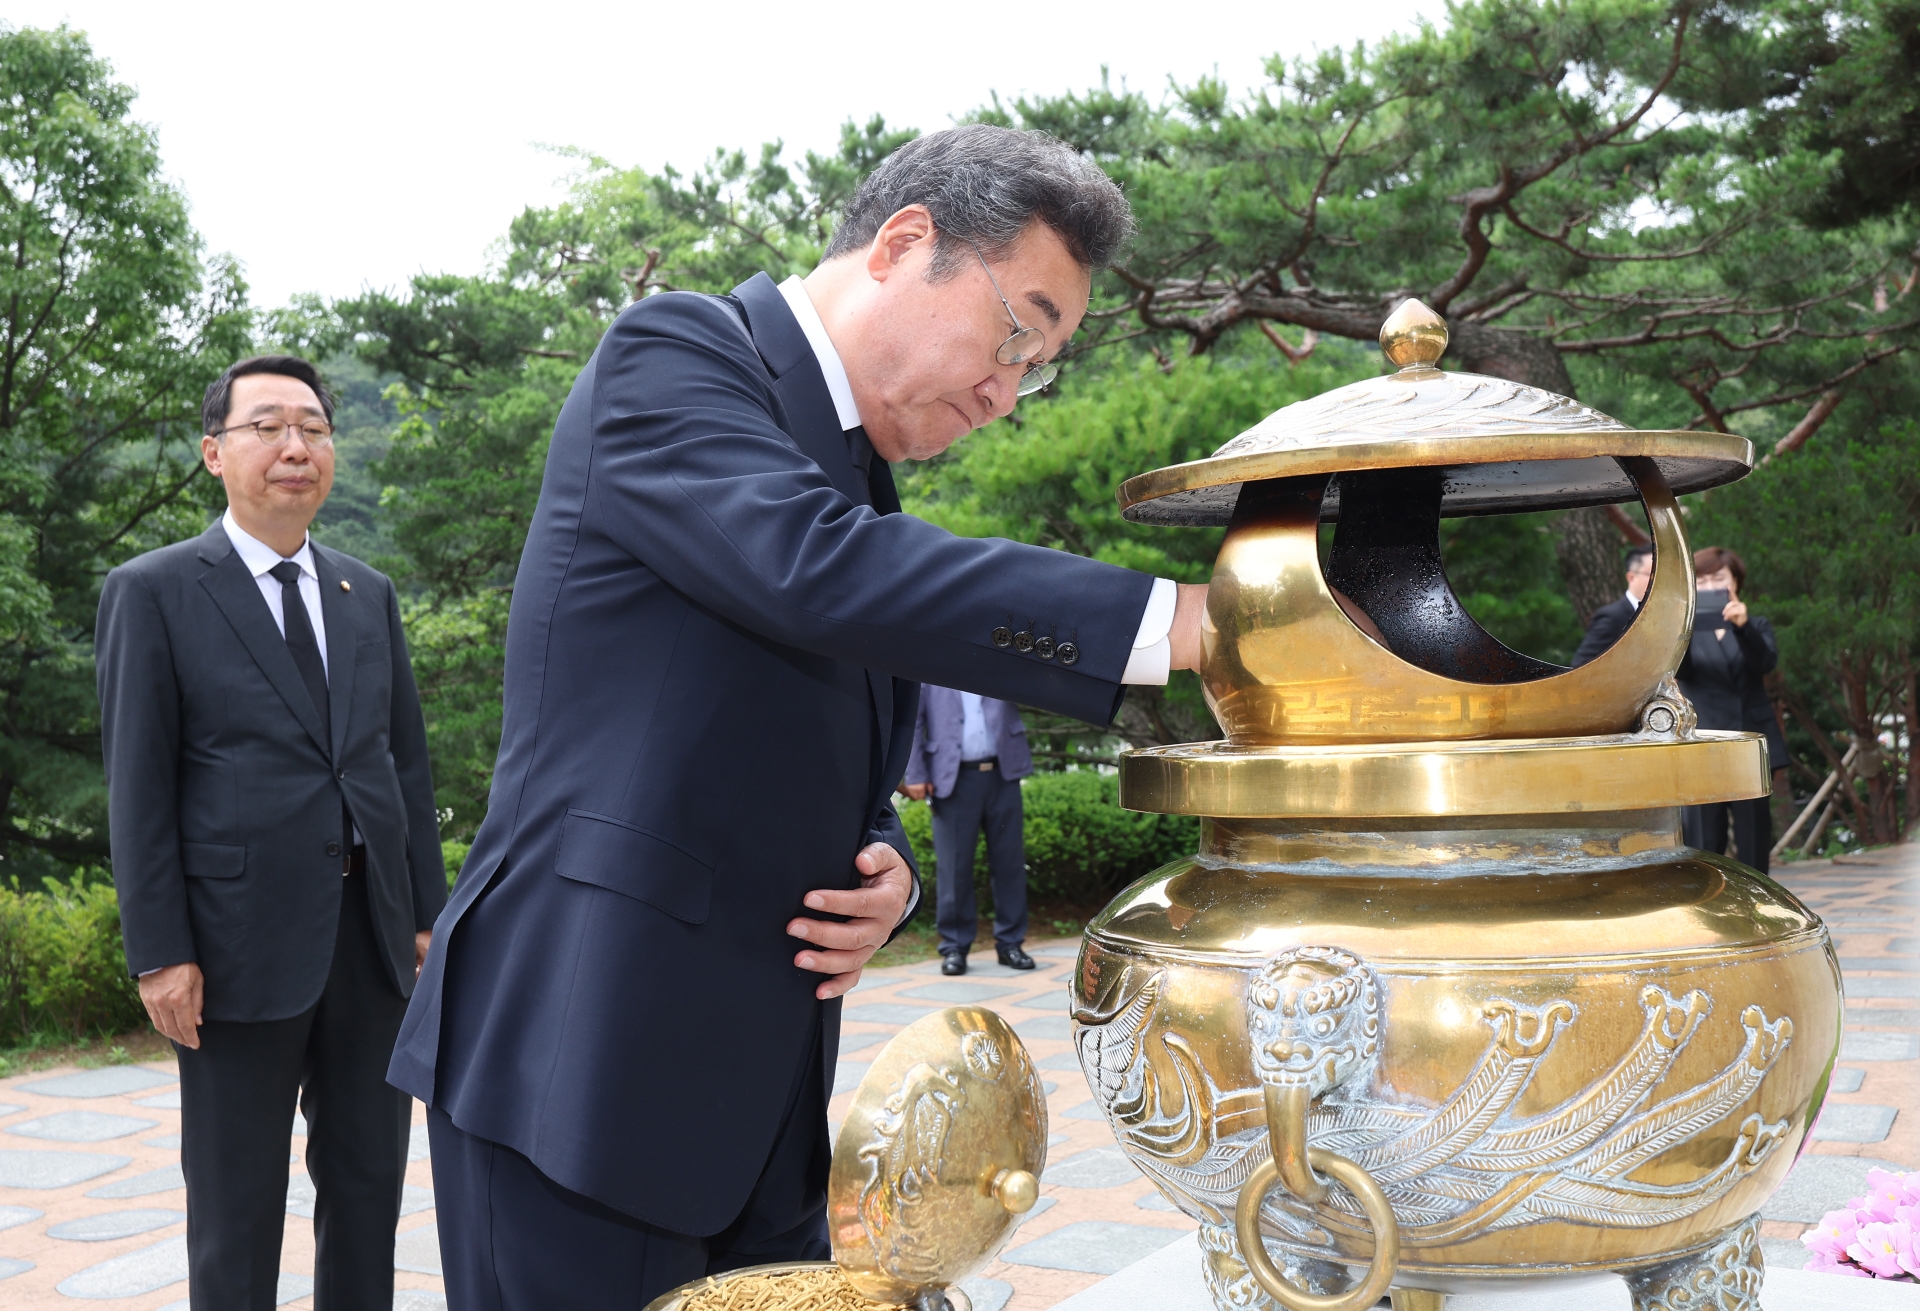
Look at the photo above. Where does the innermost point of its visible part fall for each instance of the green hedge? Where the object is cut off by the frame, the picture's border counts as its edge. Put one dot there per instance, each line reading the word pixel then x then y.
pixel 63 972
pixel 1081 847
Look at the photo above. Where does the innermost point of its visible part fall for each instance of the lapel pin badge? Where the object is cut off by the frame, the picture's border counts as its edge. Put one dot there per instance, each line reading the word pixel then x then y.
pixel 345 586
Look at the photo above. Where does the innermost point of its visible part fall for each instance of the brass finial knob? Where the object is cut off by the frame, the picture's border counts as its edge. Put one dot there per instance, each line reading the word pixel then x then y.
pixel 1413 336
pixel 1016 1190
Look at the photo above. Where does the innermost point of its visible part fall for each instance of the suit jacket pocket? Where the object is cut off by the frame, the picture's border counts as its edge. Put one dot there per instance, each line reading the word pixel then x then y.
pixel 617 856
pixel 213 860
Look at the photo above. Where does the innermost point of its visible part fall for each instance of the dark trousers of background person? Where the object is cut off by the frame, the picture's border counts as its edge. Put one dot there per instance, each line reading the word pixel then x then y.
pixel 1751 822
pixel 982 798
pixel 512 1239
pixel 237 1097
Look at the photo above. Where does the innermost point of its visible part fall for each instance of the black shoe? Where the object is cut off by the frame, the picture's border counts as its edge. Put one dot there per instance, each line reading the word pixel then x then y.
pixel 1015 959
pixel 955 962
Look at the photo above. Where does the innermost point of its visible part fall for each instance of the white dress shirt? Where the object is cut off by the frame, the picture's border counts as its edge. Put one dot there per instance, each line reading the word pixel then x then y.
pixel 259 558
pixel 976 742
pixel 1151 660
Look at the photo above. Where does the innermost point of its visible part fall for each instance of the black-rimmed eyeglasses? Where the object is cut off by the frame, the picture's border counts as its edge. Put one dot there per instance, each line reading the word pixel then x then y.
pixel 1023 345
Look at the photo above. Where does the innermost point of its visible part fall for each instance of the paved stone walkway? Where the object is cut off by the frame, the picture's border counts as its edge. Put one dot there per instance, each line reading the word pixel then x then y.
pixel 92 1208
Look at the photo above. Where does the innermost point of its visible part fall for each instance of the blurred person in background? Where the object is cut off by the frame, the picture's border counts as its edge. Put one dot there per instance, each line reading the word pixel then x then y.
pixel 1728 658
pixel 1611 620
pixel 969 754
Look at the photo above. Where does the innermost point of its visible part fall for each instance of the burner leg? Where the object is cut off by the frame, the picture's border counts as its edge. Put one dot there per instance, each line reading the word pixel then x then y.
pixel 1418 1299
pixel 1725 1277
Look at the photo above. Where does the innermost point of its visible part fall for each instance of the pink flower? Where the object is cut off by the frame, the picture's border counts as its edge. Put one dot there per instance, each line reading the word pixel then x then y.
pixel 1835 1231
pixel 1823 1263
pixel 1884 1249
pixel 1885 1191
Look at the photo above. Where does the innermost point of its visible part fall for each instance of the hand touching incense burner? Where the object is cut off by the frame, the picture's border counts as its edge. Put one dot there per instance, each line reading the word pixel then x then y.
pixel 1442 1001
pixel 940 1155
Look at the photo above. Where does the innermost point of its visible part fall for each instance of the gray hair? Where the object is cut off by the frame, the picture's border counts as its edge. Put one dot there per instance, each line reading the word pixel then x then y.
pixel 984 185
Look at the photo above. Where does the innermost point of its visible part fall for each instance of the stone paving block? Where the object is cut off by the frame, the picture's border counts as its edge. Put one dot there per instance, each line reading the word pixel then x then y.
pixel 853 1042
pixel 109 1081
pixel 1854 1124
pixel 163 1180
pixel 299 1125
pixel 146 1270
pixel 1055 1139
pixel 418 1299
pixel 848 1074
pixel 885 1012
pixel 418 1250
pixel 1087 1110
pixel 1819 1184
pixel 1879 964
pixel 1155 1202
pixel 109 1225
pixel 80 1127
pixel 13 1265
pixel 8 1108
pixel 166 1142
pixel 956 994
pixel 1845 1080
pixel 418 1148
pixel 1038 1209
pixel 1907 989
pixel 1065 951
pixel 20 1169
pixel 990 968
pixel 1880 1047
pixel 1098 1247
pixel 1784 1253
pixel 1097 1167
pixel 17 1215
pixel 986 1294
pixel 1044 1028
pixel 291 1288
pixel 166 1101
pixel 1882 1017
pixel 1061 1061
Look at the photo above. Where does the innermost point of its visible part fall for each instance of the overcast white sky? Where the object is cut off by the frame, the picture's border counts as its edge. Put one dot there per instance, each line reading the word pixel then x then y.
pixel 419 127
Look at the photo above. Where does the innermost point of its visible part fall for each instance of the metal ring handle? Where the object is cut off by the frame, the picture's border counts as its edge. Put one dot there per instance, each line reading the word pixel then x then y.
pixel 1373 1199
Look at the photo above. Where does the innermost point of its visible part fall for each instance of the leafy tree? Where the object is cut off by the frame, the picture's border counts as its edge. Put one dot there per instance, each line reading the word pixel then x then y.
pixel 1659 200
pixel 110 329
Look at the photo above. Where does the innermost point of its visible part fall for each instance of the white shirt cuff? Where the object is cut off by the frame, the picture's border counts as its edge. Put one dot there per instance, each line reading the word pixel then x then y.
pixel 1152 658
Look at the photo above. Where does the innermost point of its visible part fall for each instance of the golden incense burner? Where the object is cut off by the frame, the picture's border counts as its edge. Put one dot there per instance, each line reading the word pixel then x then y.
pixel 940 1155
pixel 1442 1001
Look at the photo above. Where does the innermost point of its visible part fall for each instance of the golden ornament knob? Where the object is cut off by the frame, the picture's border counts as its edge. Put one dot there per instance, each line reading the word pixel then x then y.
pixel 1413 336
pixel 1016 1190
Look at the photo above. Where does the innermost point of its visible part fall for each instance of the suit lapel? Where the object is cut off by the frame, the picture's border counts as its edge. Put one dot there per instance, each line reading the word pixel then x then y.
pixel 234 590
pixel 337 608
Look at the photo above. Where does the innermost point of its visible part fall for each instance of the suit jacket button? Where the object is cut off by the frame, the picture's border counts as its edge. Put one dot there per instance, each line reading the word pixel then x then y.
pixel 1003 637
pixel 1068 653
pixel 1043 647
pixel 333 848
pixel 1023 641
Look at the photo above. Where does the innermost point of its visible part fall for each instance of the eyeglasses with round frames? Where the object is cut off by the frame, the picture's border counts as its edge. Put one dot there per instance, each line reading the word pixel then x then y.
pixel 1023 345
pixel 272 432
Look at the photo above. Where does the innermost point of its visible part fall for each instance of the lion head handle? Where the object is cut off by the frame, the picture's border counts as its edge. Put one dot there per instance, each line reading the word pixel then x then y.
pixel 1314 1017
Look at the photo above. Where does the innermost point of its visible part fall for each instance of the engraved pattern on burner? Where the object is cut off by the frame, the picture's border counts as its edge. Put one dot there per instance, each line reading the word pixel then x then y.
pixel 1725 1277
pixel 1460 1169
pixel 903 1160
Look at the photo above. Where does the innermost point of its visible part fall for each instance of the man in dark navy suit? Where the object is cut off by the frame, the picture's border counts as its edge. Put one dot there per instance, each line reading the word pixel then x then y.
pixel 968 756
pixel 626 1060
pixel 1611 620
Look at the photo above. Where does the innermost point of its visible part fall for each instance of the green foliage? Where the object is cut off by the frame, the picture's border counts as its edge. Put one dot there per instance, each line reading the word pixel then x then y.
pixel 110 329
pixel 1081 847
pixel 63 971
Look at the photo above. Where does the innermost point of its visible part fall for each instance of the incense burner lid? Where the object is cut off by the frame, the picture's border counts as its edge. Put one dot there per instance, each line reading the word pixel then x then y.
pixel 1504 446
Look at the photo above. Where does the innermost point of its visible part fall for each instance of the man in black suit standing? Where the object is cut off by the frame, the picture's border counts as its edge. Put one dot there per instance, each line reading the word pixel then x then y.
pixel 625 1058
pixel 1611 620
pixel 275 848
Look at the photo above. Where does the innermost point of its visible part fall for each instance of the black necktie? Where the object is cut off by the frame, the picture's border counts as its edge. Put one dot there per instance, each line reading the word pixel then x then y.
pixel 300 640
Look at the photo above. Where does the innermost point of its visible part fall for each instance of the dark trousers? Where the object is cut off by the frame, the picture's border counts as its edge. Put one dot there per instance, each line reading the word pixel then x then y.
pixel 512 1239
pixel 1706 827
pixel 981 799
pixel 237 1095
